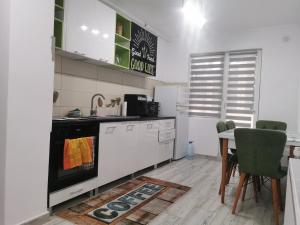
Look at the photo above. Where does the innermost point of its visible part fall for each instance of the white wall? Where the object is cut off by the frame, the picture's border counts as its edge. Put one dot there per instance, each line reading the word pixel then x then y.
pixel 29 109
pixel 279 76
pixel 4 41
pixel 172 63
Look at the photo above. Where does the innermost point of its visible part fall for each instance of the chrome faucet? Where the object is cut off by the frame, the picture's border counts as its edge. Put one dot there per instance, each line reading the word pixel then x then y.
pixel 93 111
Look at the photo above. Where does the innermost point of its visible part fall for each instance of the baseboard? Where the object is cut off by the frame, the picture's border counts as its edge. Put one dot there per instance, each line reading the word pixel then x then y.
pixel 37 220
pixel 217 158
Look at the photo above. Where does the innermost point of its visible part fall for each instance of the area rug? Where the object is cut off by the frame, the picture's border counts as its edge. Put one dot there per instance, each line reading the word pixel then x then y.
pixel 133 203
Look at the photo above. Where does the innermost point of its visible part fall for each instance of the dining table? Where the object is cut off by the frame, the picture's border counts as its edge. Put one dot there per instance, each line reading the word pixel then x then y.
pixel 226 137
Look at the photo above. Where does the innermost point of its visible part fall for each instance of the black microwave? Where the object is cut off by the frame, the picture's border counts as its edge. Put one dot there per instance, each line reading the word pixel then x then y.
pixel 136 105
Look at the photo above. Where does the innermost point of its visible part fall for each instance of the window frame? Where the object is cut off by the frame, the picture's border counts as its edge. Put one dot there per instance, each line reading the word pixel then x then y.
pixel 225 76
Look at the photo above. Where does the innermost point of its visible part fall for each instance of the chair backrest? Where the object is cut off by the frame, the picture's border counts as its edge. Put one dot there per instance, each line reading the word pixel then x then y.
pixel 259 151
pixel 221 127
pixel 230 125
pixel 271 125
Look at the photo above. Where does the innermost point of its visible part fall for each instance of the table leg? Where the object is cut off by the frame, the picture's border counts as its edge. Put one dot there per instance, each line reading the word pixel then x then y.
pixel 224 167
pixel 292 148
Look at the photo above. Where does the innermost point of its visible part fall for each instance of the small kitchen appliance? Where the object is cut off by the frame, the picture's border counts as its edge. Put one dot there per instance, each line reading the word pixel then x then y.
pixel 137 105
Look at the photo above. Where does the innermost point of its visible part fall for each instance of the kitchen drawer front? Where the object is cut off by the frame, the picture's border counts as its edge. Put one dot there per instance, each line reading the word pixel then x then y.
pixel 166 150
pixel 166 135
pixel 71 192
pixel 166 124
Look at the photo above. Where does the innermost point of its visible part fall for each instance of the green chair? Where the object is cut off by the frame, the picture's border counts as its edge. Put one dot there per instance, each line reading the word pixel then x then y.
pixel 230 125
pixel 271 125
pixel 232 158
pixel 259 153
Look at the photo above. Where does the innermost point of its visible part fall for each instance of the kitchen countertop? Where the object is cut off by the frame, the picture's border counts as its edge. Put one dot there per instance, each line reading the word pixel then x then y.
pixel 65 120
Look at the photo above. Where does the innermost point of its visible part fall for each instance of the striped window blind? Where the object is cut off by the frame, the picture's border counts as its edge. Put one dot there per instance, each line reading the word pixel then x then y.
pixel 223 85
pixel 241 87
pixel 206 85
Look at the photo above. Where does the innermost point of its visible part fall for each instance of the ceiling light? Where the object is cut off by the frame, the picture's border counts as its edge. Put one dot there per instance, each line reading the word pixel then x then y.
pixel 105 36
pixel 95 31
pixel 193 13
pixel 84 27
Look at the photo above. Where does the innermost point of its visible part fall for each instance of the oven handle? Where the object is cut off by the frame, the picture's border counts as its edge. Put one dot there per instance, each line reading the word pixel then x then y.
pixel 76 192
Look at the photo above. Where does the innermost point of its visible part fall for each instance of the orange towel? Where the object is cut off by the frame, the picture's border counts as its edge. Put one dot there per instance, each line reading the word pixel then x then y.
pixel 86 148
pixel 72 154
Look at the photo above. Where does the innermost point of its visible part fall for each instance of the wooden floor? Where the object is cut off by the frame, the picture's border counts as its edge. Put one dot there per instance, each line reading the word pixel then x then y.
pixel 201 206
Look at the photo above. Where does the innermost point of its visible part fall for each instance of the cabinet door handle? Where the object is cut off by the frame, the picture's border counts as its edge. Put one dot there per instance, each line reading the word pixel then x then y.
pixel 110 130
pixel 130 127
pixel 76 192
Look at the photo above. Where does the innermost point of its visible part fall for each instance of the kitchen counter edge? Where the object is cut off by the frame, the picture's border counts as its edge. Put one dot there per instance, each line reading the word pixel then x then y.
pixel 110 120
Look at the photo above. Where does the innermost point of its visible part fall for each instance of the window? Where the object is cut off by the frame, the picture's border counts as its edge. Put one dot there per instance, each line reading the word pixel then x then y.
pixel 225 85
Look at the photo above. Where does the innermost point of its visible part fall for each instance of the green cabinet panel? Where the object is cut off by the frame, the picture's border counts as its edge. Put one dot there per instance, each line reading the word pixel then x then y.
pixel 58 23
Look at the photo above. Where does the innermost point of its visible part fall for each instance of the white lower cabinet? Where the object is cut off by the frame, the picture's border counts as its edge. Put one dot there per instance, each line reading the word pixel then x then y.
pixel 147 144
pixel 166 143
pixel 127 147
pixel 109 152
pixel 166 150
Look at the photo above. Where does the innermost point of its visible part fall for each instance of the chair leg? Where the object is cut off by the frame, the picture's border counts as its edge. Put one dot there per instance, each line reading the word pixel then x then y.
pixel 225 183
pixel 275 201
pixel 262 180
pixel 245 187
pixel 279 194
pixel 255 188
pixel 229 174
pixel 258 183
pixel 238 192
pixel 234 169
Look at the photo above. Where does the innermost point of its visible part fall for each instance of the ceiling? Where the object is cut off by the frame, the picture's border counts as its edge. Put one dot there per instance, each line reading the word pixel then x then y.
pixel 166 18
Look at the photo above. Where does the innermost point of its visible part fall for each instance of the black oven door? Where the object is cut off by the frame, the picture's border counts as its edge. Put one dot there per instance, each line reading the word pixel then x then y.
pixel 59 176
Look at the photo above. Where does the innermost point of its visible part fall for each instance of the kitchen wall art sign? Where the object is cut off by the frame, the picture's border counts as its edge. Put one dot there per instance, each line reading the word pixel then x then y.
pixel 143 52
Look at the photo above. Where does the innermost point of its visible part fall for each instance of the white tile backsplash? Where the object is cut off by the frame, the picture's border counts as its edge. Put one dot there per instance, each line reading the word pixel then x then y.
pixel 72 83
pixel 75 99
pixel 57 81
pixel 77 82
pixel 79 68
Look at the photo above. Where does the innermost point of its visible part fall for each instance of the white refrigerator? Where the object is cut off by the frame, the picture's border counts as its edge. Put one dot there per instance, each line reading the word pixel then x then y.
pixel 173 101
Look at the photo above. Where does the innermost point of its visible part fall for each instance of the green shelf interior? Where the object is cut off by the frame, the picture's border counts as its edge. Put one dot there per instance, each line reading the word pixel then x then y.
pixel 59 3
pixel 59 13
pixel 120 40
pixel 58 33
pixel 58 22
pixel 126 27
pixel 122 56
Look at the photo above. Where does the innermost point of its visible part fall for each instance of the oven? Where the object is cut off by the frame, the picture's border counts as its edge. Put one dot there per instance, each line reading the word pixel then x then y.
pixel 62 173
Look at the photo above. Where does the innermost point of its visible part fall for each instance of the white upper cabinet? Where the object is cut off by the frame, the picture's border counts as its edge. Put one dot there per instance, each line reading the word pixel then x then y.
pixel 90 29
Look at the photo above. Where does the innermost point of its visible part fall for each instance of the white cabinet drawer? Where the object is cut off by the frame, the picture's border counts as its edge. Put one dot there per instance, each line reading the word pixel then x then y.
pixel 166 124
pixel 166 150
pixel 166 135
pixel 72 192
